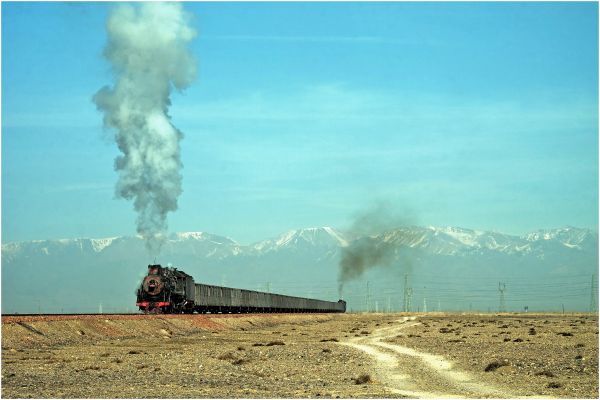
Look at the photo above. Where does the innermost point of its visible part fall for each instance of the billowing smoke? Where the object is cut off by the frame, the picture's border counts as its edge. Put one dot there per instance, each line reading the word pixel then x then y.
pixel 147 48
pixel 369 250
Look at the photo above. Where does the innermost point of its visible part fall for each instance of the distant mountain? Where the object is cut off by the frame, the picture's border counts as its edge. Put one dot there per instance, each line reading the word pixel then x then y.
pixel 324 237
pixel 460 241
pixel 78 274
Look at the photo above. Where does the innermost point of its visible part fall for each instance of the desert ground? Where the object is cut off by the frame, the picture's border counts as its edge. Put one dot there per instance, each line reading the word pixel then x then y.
pixel 301 356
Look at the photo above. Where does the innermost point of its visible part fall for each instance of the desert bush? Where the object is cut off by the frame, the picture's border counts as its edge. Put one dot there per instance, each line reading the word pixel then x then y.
pixel 545 373
pixel 362 379
pixel 275 343
pixel 494 365
pixel 226 356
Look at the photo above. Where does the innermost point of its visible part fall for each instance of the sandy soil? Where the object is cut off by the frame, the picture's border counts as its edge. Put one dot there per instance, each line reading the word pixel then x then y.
pixel 300 356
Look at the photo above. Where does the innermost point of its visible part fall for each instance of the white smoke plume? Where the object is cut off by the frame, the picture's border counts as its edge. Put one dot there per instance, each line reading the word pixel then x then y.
pixel 147 49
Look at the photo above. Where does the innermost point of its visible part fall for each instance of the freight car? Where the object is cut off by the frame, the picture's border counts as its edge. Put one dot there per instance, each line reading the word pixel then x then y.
pixel 168 290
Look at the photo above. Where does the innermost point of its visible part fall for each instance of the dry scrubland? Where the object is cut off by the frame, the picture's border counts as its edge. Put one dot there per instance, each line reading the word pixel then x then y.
pixel 303 355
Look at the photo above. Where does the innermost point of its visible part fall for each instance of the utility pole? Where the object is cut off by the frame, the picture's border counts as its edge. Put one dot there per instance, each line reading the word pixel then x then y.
pixel 376 306
pixel 439 306
pixel 593 296
pixel 268 287
pixel 502 289
pixel 424 304
pixel 389 306
pixel 409 299
pixel 405 305
pixel 100 308
pixel 368 298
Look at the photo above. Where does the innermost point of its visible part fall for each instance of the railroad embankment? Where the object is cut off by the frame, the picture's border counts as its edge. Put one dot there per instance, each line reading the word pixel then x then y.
pixel 20 332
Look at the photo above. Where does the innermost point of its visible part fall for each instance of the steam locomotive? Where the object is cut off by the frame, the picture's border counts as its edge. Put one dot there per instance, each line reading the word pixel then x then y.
pixel 168 290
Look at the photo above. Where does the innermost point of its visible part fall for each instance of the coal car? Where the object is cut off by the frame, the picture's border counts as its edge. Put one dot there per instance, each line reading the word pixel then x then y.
pixel 168 290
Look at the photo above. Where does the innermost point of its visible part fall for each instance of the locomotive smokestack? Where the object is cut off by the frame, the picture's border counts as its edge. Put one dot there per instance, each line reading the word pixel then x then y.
pixel 147 50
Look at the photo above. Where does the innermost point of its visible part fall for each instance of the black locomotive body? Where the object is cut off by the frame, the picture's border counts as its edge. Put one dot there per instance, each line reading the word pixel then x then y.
pixel 167 290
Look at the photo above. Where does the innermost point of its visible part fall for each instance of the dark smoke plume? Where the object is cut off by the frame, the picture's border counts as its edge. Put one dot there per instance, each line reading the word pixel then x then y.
pixel 147 50
pixel 368 250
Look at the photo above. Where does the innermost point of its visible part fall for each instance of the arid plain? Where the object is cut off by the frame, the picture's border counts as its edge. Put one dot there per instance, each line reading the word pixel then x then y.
pixel 301 356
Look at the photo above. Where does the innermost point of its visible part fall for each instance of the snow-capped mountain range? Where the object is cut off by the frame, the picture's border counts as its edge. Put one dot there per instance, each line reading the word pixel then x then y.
pixel 436 240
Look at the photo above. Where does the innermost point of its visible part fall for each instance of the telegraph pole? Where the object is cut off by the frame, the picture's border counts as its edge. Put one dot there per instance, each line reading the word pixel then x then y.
pixel 502 289
pixel 368 299
pixel 406 301
pixel 424 304
pixel 593 296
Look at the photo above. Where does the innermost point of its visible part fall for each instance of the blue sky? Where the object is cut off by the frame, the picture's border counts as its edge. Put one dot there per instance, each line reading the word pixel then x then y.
pixel 480 115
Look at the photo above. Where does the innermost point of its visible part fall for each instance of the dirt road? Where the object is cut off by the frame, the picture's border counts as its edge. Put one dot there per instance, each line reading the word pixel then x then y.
pixel 418 374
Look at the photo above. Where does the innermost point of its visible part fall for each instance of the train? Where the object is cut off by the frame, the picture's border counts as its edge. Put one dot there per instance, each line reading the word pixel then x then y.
pixel 166 290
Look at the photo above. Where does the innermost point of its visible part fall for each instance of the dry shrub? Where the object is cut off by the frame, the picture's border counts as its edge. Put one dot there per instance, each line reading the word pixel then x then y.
pixel 518 340
pixel 329 340
pixel 227 356
pixel 326 351
pixel 275 343
pixel 257 344
pixel 133 352
pixel 239 361
pixel 554 385
pixel 579 345
pixel 545 373
pixel 241 348
pixel 362 379
pixel 364 332
pixel 494 365
pixel 532 331
pixel 565 333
